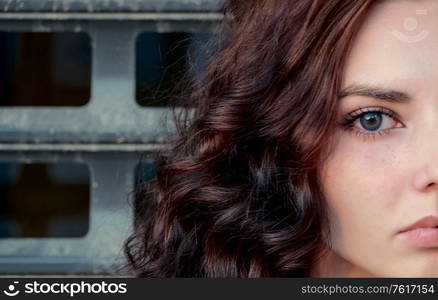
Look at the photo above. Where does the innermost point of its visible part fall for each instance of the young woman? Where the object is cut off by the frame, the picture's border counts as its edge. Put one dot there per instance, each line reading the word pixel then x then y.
pixel 313 148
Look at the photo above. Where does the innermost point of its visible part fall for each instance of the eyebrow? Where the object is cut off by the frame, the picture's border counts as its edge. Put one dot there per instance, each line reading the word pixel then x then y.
pixel 376 93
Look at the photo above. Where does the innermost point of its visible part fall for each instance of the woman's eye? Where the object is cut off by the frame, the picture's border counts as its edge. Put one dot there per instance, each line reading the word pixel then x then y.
pixel 371 122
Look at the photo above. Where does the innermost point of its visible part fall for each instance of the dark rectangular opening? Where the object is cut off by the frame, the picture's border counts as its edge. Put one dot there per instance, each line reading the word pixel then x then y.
pixel 45 69
pixel 144 172
pixel 44 200
pixel 163 60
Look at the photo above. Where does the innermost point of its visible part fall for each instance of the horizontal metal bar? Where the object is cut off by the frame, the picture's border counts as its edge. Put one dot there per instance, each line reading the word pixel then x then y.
pixel 67 274
pixel 82 147
pixel 109 6
pixel 205 16
pixel 11 264
pixel 123 123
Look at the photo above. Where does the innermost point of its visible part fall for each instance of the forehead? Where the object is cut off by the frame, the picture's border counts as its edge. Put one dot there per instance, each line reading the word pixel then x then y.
pixel 397 45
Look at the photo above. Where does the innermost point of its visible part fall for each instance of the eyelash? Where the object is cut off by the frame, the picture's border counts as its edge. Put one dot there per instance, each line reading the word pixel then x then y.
pixel 348 122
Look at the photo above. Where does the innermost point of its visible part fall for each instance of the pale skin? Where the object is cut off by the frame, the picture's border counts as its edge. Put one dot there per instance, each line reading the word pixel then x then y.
pixel 382 180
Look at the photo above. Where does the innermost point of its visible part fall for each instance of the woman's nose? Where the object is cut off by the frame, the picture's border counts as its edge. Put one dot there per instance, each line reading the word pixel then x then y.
pixel 424 156
pixel 426 178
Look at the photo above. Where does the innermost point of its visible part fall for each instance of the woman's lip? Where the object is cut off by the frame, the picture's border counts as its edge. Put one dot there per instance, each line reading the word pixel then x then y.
pixel 426 237
pixel 427 221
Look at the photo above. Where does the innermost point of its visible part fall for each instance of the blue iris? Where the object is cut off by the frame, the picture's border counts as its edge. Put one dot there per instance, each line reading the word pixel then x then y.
pixel 371 121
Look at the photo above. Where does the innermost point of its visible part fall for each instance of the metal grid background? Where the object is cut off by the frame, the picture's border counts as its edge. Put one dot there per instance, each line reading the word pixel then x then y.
pixel 108 134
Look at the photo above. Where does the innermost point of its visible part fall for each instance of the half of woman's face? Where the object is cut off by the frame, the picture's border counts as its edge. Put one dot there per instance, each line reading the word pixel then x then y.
pixel 383 172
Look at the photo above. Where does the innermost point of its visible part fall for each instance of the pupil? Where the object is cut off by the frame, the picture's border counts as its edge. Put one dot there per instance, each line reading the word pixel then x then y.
pixel 371 121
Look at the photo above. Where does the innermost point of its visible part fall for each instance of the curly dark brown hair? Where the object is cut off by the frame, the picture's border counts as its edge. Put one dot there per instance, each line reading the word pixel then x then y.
pixel 237 192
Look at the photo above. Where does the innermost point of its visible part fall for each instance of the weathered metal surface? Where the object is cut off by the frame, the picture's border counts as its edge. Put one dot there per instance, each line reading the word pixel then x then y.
pixel 65 147
pixel 112 181
pixel 108 5
pixel 109 134
pixel 112 115
pixel 143 16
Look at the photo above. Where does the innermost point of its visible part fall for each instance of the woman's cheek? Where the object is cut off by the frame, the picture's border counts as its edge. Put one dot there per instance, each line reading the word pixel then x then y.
pixel 377 177
pixel 353 167
pixel 362 183
pixel 365 168
pixel 362 187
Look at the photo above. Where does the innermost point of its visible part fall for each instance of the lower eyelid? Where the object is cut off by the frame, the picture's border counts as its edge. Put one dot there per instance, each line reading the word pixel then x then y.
pixel 367 135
